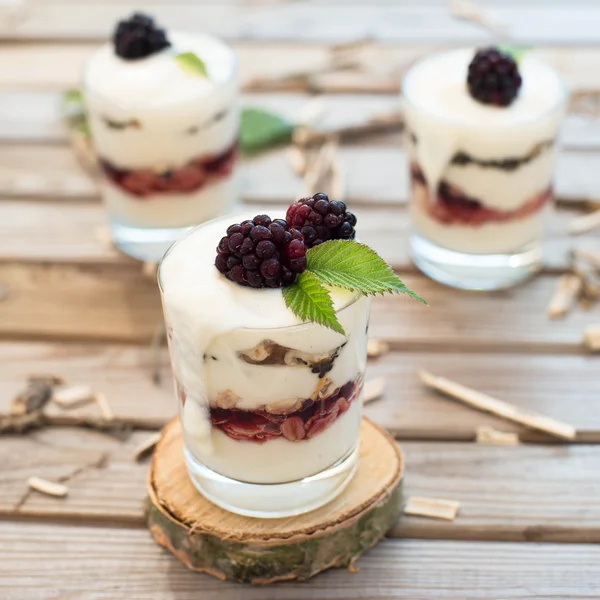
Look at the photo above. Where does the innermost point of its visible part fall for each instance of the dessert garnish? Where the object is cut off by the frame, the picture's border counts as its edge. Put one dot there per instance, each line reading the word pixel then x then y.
pixel 138 37
pixel 192 63
pixel 261 253
pixel 270 253
pixel 320 219
pixel 493 77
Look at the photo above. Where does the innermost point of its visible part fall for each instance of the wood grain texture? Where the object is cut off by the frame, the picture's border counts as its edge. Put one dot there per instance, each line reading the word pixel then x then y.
pixel 407 409
pixel 338 23
pixel 109 564
pixel 75 232
pixel 106 303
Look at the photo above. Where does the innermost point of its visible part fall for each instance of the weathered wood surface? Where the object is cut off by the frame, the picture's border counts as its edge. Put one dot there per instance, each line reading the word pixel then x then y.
pixel 407 409
pixel 109 303
pixel 521 493
pixel 384 22
pixel 109 564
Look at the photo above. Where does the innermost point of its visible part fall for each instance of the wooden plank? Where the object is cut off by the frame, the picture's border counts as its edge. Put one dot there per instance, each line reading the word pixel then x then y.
pixel 374 174
pixel 108 564
pixel 506 493
pixel 339 23
pixel 103 303
pixel 407 409
pixel 76 233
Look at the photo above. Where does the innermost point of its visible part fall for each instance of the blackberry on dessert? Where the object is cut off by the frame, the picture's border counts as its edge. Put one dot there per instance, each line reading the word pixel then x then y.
pixel 261 253
pixel 320 219
pixel 493 77
pixel 138 37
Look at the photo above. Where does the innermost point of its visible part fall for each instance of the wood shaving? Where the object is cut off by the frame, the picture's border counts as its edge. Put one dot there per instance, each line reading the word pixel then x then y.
pixel 102 402
pixel 497 407
pixel 374 389
pixel 72 396
pixel 146 447
pixel 584 223
pixel 468 10
pixel 50 488
pixel 591 338
pixel 489 435
pixel 433 508
pixel 566 292
pixel 377 348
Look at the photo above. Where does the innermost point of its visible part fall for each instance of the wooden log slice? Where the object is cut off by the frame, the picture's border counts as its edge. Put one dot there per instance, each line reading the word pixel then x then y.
pixel 207 538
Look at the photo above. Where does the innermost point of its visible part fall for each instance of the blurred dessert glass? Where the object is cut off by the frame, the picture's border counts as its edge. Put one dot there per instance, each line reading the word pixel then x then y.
pixel 481 137
pixel 163 114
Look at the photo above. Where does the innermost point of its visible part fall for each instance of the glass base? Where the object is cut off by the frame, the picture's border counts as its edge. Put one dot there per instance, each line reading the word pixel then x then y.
pixel 145 244
pixel 475 271
pixel 272 500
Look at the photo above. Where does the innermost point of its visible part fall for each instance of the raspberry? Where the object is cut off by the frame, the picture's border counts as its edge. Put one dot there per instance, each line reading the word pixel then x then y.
pixel 261 253
pixel 319 219
pixel 493 77
pixel 138 37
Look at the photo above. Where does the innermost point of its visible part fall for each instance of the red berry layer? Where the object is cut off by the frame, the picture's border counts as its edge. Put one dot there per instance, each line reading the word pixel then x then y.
pixel 191 177
pixel 453 207
pixel 313 418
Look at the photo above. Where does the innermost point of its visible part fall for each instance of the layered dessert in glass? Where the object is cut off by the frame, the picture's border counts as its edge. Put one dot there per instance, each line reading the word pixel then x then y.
pixel 270 403
pixel 163 114
pixel 481 135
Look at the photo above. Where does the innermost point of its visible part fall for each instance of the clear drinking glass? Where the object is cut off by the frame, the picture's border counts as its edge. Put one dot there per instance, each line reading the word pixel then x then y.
pixel 480 175
pixel 270 416
pixel 166 140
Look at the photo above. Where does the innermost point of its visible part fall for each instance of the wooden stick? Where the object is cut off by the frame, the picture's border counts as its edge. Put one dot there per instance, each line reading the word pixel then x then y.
pixel 50 488
pixel 489 435
pixel 566 292
pixel 591 338
pixel 102 402
pixel 73 396
pixel 377 348
pixel 584 223
pixel 499 408
pixel 374 389
pixel 434 508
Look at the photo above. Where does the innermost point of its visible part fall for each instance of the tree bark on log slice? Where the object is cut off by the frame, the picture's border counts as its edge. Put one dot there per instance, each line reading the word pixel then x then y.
pixel 207 538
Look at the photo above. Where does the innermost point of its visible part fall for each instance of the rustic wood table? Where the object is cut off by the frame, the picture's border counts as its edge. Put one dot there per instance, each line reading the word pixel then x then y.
pixel 72 306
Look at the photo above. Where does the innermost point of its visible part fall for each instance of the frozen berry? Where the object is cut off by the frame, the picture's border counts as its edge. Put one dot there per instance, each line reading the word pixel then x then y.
pixel 138 37
pixel 493 77
pixel 319 219
pixel 261 253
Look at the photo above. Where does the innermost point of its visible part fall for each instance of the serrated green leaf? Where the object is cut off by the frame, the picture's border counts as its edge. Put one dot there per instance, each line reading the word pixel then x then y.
pixel 354 266
pixel 310 301
pixel 261 130
pixel 515 52
pixel 192 63
pixel 73 111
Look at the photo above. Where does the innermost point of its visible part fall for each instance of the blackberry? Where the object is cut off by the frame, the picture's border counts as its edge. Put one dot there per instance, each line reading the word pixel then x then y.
pixel 320 219
pixel 261 253
pixel 138 37
pixel 493 77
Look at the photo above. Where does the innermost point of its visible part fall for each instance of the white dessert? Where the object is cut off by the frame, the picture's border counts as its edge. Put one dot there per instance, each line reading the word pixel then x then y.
pixel 500 157
pixel 149 115
pixel 215 323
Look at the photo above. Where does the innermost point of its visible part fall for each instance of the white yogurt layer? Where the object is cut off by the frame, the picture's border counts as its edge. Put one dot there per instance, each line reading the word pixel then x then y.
pixel 174 209
pixel 167 102
pixel 209 315
pixel 445 120
pixel 504 237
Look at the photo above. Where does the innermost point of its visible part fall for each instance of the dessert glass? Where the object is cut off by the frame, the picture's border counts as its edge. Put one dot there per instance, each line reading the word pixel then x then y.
pixel 270 407
pixel 480 175
pixel 166 140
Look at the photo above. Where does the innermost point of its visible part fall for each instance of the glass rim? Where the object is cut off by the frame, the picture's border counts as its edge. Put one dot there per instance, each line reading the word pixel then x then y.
pixel 560 103
pixel 235 218
pixel 232 77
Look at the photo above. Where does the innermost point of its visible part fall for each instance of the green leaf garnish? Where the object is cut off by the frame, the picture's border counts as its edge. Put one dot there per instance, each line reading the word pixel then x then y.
pixel 261 130
pixel 73 111
pixel 515 52
pixel 310 301
pixel 354 266
pixel 192 63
